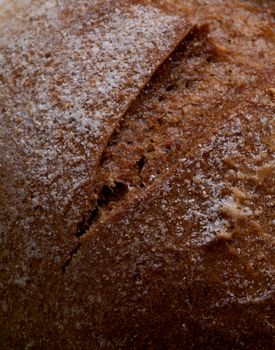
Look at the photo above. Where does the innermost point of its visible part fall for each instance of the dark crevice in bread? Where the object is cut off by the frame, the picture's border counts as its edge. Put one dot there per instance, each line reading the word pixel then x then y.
pixel 107 196
pixel 106 199
pixel 71 255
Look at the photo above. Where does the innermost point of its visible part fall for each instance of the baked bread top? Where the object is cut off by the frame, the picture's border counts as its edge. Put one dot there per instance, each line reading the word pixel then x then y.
pixel 137 174
pixel 191 257
pixel 69 71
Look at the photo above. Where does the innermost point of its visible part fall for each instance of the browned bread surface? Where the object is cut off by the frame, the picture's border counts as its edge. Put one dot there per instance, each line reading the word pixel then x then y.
pixel 188 95
pixel 68 72
pixel 191 261
pixel 214 65
pixel 185 257
pixel 246 27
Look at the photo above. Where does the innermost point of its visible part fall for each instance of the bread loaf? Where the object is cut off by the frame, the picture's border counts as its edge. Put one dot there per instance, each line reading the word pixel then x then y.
pixel 137 174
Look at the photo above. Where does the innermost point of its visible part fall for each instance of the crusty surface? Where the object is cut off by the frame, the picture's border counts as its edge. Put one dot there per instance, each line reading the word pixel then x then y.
pixel 190 262
pixel 244 26
pixel 187 261
pixel 188 94
pixel 68 72
pixel 71 89
pixel 214 65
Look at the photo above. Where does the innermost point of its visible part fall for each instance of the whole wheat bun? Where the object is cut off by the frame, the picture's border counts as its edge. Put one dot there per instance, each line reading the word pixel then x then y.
pixel 137 174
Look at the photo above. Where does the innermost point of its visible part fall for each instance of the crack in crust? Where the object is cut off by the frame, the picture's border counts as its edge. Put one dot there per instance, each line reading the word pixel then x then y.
pixel 151 137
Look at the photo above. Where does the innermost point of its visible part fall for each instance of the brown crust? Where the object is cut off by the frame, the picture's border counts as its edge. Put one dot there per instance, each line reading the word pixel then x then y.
pixel 185 262
pixel 68 72
pixel 185 269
